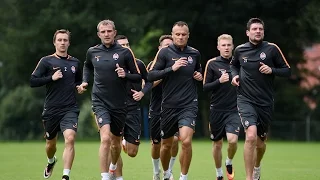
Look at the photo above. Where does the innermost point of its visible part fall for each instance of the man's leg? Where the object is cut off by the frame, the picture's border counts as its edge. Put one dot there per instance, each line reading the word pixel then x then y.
pixel 232 149
pixel 154 121
pixel 186 134
pixel 249 148
pixel 69 151
pixel 217 156
pixel 51 127
pixel 258 155
pixel 51 148
pixel 115 153
pixel 105 148
pixel 165 156
pixel 174 152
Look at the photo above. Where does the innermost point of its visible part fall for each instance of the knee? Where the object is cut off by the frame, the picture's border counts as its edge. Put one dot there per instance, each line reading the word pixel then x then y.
pixel 166 145
pixel 217 145
pixel 233 141
pixel 69 140
pixel 132 152
pixel 186 143
pixel 105 140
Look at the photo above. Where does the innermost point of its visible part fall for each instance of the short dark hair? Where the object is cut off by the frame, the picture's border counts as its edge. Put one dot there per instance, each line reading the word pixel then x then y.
pixel 252 21
pixel 163 37
pixel 120 37
pixel 180 23
pixel 62 31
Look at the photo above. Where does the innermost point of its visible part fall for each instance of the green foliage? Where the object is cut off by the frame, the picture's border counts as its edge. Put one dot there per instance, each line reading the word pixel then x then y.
pixel 20 112
pixel 87 124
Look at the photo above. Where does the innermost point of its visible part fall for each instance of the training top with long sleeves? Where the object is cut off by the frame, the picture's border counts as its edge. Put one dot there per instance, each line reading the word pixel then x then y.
pixel 179 87
pixel 108 88
pixel 156 97
pixel 133 104
pixel 255 86
pixel 62 92
pixel 224 95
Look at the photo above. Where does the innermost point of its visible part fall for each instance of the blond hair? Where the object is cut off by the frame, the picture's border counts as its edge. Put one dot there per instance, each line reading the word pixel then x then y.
pixel 225 36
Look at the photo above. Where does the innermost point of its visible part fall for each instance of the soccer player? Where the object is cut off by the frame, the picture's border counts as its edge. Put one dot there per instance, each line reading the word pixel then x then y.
pixel 110 64
pixel 60 73
pixel 135 92
pixel 154 120
pixel 224 117
pixel 178 65
pixel 254 67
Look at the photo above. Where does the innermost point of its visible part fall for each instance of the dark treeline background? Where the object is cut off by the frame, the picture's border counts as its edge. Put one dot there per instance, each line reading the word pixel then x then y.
pixel 27 28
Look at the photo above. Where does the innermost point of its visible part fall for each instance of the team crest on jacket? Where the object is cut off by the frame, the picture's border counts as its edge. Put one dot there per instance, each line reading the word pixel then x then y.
pixel 115 56
pixel 73 69
pixel 263 56
pixel 190 60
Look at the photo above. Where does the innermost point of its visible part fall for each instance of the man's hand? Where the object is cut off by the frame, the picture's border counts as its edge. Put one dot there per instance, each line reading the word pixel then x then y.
pixel 179 63
pixel 235 81
pixel 224 77
pixel 120 71
pixel 137 95
pixel 197 76
pixel 82 87
pixel 57 75
pixel 265 69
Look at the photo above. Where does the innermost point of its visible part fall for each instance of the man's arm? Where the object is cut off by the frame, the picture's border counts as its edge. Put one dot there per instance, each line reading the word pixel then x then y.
pixel 157 69
pixel 282 68
pixel 235 64
pixel 209 84
pixel 144 74
pixel 87 67
pixel 37 78
pixel 131 65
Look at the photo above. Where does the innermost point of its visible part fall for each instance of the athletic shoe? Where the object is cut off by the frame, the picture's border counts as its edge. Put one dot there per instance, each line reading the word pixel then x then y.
pixel 65 177
pixel 220 178
pixel 49 168
pixel 230 172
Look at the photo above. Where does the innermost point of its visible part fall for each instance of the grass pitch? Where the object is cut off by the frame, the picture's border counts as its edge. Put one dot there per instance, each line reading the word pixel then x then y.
pixel 282 161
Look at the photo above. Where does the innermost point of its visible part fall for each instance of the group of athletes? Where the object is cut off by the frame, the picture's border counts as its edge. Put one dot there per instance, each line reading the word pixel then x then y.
pixel 240 82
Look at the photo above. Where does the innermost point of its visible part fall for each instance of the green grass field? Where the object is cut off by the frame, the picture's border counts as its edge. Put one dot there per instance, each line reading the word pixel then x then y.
pixel 282 161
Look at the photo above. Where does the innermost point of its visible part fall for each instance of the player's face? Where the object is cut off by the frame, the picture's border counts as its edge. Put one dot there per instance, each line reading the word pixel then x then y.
pixel 180 35
pixel 124 42
pixel 165 42
pixel 106 34
pixel 225 46
pixel 256 33
pixel 62 42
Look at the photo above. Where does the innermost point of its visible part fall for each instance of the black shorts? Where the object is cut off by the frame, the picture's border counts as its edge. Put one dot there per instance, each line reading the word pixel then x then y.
pixel 57 119
pixel 115 117
pixel 252 114
pixel 132 128
pixel 174 118
pixel 222 122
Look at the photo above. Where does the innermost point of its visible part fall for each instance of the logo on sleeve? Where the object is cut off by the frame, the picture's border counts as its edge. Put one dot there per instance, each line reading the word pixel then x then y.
pixel 263 56
pixel 73 69
pixel 115 56
pixel 190 60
